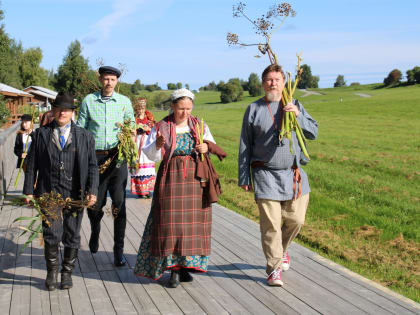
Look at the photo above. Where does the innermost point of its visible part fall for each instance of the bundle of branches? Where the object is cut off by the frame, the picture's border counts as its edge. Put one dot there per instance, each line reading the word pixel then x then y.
pixel 289 122
pixel 49 207
pixel 127 148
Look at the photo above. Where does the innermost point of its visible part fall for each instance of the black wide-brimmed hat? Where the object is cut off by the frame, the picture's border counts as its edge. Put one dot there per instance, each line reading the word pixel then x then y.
pixel 26 117
pixel 109 70
pixel 64 100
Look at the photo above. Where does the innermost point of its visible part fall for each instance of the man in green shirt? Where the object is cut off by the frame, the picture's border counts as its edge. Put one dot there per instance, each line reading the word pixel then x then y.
pixel 100 113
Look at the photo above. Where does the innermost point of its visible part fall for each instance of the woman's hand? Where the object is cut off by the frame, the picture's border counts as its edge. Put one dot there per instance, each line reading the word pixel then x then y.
pixel 202 148
pixel 24 155
pixel 292 108
pixel 160 140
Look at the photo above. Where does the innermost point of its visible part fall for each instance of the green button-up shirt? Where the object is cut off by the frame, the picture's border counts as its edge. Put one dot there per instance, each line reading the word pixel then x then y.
pixel 101 117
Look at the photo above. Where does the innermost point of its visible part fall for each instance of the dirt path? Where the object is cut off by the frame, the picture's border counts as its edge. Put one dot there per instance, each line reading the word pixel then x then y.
pixel 307 93
pixel 362 95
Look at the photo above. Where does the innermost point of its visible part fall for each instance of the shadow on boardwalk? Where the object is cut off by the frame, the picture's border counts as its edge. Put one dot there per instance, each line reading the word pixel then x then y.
pixel 234 283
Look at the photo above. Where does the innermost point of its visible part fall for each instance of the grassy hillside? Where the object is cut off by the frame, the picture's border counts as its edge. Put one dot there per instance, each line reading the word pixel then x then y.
pixel 364 172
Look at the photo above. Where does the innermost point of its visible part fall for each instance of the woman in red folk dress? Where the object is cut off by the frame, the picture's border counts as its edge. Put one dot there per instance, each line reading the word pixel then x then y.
pixel 177 234
pixel 143 179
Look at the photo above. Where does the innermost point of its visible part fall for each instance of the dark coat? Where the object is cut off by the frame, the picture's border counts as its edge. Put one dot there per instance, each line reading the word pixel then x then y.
pixel 19 149
pixel 39 164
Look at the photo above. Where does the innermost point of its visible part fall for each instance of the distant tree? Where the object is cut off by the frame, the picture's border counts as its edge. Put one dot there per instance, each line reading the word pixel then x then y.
pixel 354 83
pixel 4 111
pixel 187 86
pixel 171 86
pixel 232 91
pixel 30 70
pixel 125 89
pixel 220 85
pixel 413 75
pixel 136 87
pixel 393 78
pixel 254 85
pixel 10 52
pixel 72 72
pixel 179 85
pixel 244 84
pixel 160 100
pixel 152 87
pixel 340 81
pixel 209 87
pixel 307 80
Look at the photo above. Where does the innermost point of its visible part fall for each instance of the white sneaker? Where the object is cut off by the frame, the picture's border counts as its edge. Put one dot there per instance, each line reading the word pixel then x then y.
pixel 285 261
pixel 274 279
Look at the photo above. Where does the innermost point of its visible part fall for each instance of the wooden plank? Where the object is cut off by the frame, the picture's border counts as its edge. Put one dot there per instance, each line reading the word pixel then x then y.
pixel 242 296
pixel 137 293
pixel 159 296
pixel 40 297
pixel 299 251
pixel 200 294
pixel 184 301
pixel 313 295
pixel 8 262
pixel 79 297
pixel 257 274
pixel 101 259
pixel 98 295
pixel 116 292
pixel 253 287
pixel 21 296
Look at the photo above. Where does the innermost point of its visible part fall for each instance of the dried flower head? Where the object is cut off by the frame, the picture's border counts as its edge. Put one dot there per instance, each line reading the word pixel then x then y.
pixel 232 39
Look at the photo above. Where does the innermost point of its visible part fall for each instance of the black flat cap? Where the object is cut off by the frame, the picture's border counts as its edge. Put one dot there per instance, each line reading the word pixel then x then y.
pixel 109 70
pixel 64 100
pixel 26 117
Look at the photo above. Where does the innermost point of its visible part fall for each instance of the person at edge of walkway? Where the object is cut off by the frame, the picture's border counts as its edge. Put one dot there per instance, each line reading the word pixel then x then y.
pixel 281 187
pixel 177 234
pixel 62 157
pixel 100 112
pixel 23 140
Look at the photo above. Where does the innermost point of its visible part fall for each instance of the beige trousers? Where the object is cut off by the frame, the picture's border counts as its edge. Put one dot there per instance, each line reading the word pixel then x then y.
pixel 280 222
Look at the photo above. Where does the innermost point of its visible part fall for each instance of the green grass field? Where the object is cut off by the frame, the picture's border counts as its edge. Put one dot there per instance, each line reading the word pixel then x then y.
pixel 364 173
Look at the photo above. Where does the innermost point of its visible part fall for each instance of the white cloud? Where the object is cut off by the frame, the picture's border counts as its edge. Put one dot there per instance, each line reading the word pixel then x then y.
pixel 102 28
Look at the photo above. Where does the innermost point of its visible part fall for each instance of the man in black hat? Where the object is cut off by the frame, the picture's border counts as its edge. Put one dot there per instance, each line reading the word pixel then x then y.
pixel 62 157
pixel 100 113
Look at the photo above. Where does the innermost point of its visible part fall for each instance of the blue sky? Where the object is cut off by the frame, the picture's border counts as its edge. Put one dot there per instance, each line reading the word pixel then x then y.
pixel 185 40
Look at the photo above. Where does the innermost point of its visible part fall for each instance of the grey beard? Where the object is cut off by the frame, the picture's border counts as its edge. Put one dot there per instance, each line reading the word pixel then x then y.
pixel 273 96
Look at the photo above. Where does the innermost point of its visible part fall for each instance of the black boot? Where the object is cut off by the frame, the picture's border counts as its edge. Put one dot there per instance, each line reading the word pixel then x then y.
pixel 119 259
pixel 51 258
pixel 94 237
pixel 184 275
pixel 174 280
pixel 70 256
pixel 119 234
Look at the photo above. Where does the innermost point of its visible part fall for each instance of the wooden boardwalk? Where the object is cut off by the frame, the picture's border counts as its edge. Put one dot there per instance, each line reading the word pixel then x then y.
pixel 235 282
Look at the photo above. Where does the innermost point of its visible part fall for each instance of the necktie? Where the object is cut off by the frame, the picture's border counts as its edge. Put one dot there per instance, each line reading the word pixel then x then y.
pixel 61 137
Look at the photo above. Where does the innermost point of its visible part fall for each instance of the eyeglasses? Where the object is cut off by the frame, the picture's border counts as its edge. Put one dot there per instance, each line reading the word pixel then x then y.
pixel 272 80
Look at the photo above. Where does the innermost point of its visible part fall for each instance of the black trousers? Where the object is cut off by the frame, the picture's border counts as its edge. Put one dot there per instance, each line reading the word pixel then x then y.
pixel 66 231
pixel 114 181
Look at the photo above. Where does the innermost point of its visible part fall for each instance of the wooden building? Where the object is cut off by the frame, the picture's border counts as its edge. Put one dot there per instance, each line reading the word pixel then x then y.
pixel 16 100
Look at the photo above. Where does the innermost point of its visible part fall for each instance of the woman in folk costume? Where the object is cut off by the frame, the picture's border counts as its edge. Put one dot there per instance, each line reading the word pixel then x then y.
pixel 143 179
pixel 177 233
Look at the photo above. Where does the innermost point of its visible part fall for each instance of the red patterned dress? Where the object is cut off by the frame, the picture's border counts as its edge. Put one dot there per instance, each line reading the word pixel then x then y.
pixel 143 179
